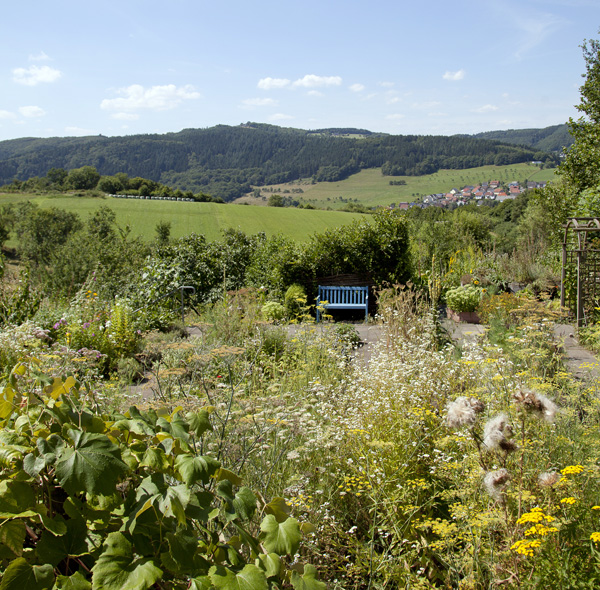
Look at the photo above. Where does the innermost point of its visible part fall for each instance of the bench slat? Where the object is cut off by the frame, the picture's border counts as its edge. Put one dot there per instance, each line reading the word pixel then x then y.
pixel 343 298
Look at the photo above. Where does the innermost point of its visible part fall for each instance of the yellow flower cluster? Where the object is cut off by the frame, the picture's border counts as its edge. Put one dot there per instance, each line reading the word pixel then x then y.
pixel 572 470
pixel 595 537
pixel 356 484
pixel 526 547
pixel 570 500
pixel 535 516
pixel 540 529
pixel 301 501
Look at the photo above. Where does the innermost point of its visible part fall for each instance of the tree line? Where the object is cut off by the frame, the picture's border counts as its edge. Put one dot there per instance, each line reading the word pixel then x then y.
pixel 227 161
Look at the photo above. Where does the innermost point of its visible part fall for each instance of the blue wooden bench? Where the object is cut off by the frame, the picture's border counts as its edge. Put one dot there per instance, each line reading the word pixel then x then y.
pixel 343 298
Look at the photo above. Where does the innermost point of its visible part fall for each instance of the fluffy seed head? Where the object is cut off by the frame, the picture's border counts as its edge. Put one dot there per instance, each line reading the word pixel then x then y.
pixel 463 411
pixel 496 482
pixel 497 434
pixel 548 479
pixel 536 403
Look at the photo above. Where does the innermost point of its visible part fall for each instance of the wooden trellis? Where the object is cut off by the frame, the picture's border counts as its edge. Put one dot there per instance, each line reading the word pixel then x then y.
pixel 580 280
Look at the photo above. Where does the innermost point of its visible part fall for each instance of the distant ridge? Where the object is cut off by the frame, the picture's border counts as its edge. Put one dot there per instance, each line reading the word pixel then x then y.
pixel 548 139
pixel 227 161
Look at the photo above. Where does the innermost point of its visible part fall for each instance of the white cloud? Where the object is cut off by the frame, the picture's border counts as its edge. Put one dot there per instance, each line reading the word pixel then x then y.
pixel 454 76
pixel 6 115
pixel 312 81
pixel 273 83
pixel 357 87
pixel 486 108
pixel 31 112
pixel 41 56
pixel 260 102
pixel 395 117
pixel 280 117
pixel 35 75
pixel 125 116
pixel 155 98
pixel 387 84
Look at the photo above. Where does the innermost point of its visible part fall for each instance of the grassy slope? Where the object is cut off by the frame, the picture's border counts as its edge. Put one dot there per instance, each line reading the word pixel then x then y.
pixel 203 218
pixel 370 188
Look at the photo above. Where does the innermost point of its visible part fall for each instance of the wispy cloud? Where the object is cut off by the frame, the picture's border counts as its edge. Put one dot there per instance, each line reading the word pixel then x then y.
pixel 6 115
pixel 70 131
pixel 313 81
pixel 41 56
pixel 31 112
pixel 486 108
pixel 357 87
pixel 454 76
pixel 34 75
pixel 273 83
pixel 155 98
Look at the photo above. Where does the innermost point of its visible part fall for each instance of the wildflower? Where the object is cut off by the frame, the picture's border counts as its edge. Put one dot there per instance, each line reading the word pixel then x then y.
pixel 536 402
pixel 463 411
pixel 526 547
pixel 572 470
pixel 570 500
pixel 535 516
pixel 497 434
pixel 595 537
pixel 496 482
pixel 548 479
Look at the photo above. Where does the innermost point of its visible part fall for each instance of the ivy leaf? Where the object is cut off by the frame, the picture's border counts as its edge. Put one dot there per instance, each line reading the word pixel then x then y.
pixel 92 465
pixel 280 537
pixel 250 578
pixel 20 575
pixel 308 580
pixel 117 570
pixel 74 582
pixel 12 534
pixel 193 468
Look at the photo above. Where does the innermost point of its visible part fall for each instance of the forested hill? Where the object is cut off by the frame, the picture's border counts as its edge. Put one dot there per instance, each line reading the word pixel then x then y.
pixel 225 161
pixel 549 139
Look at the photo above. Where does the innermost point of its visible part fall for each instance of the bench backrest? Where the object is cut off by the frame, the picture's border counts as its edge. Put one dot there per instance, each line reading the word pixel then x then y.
pixel 344 295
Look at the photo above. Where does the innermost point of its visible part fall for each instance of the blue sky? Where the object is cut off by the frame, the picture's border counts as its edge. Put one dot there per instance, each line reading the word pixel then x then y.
pixel 404 67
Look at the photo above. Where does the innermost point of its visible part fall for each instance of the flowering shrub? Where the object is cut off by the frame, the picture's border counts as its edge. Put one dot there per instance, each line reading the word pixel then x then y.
pixel 465 298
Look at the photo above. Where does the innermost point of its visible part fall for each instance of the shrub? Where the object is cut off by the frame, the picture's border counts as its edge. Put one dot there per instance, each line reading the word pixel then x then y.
pixel 273 311
pixel 466 298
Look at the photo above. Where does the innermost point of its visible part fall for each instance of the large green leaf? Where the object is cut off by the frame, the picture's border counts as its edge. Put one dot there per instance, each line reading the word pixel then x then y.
pixel 193 469
pixel 74 582
pixel 250 578
pixel 308 580
pixel 52 549
pixel 117 570
pixel 16 499
pixel 20 575
pixel 280 537
pixel 199 422
pixel 12 534
pixel 92 465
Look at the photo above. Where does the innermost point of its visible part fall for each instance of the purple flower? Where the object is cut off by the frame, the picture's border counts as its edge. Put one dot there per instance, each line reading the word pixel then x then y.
pixel 86 325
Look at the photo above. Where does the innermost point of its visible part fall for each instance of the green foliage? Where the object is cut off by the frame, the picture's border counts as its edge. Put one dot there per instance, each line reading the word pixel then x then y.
pixel 117 502
pixel 273 311
pixel 464 298
pixel 295 302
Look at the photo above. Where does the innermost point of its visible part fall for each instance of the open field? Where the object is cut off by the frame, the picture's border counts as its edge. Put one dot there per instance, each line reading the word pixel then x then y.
pixel 202 218
pixel 371 188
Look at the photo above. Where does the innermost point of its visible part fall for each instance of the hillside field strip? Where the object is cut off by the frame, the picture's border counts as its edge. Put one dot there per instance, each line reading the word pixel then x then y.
pixel 370 188
pixel 207 219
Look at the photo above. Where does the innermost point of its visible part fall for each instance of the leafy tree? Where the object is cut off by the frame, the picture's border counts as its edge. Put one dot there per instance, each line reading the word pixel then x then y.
pixel 84 178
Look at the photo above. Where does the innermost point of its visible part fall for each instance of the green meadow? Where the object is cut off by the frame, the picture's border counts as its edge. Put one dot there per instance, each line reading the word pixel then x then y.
pixel 371 188
pixel 207 219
